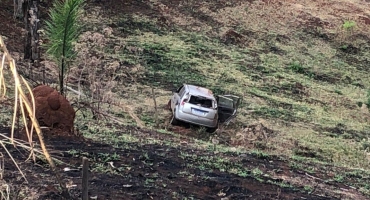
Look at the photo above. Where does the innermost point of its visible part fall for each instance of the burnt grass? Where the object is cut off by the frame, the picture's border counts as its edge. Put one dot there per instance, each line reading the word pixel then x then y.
pixel 161 166
pixel 153 171
pixel 178 170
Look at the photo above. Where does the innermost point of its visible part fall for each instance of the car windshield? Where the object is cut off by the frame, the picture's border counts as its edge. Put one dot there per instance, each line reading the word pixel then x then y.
pixel 201 101
pixel 225 102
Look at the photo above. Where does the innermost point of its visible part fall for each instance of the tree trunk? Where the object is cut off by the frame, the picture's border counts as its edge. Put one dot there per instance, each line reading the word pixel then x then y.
pixel 34 28
pixel 18 11
pixel 61 78
pixel 31 21
pixel 27 41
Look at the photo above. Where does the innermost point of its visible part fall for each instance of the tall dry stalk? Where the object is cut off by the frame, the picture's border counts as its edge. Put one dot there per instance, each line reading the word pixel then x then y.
pixel 27 109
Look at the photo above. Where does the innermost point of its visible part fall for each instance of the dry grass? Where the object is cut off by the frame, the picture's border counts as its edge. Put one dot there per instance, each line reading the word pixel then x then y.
pixel 261 25
pixel 289 19
pixel 115 74
pixel 309 33
pixel 27 108
pixel 111 69
pixel 8 63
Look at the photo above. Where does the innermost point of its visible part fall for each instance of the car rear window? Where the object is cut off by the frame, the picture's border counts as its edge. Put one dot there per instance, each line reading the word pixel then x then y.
pixel 201 101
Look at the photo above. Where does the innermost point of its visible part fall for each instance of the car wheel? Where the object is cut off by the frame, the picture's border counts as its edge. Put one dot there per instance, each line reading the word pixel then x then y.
pixel 169 105
pixel 212 130
pixel 173 120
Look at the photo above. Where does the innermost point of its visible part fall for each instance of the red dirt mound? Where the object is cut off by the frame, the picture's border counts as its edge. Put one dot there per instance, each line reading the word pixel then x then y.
pixel 53 110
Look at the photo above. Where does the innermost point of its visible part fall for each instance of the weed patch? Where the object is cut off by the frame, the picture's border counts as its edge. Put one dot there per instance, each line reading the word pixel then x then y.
pixel 136 25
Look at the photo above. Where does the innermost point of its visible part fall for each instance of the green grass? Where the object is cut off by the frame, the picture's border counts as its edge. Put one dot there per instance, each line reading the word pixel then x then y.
pixel 286 86
pixel 347 25
pixel 299 83
pixel 309 87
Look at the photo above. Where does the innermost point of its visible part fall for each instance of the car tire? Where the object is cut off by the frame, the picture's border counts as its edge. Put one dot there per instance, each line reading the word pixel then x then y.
pixel 169 105
pixel 212 130
pixel 173 119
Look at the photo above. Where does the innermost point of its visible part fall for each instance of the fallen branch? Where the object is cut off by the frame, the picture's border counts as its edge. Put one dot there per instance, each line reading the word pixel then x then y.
pixel 313 177
pixel 127 109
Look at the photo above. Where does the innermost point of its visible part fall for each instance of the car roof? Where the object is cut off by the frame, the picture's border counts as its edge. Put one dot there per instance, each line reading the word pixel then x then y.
pixel 199 91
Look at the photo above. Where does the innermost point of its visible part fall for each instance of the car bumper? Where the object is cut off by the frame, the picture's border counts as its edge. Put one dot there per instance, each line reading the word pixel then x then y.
pixel 193 119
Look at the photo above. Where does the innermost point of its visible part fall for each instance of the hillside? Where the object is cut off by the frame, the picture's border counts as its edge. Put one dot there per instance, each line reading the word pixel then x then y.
pixel 301 67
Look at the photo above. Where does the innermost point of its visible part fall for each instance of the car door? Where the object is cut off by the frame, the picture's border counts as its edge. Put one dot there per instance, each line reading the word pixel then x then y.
pixel 227 107
pixel 176 97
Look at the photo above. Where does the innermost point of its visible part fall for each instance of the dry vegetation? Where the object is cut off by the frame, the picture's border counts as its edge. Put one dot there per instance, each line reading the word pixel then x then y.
pixel 300 66
pixel 291 62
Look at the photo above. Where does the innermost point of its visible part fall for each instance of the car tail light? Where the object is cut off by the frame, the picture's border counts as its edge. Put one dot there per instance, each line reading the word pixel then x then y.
pixel 186 98
pixel 183 101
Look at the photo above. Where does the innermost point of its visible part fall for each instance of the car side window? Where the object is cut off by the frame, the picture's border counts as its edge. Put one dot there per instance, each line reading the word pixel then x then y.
pixel 178 90
pixel 182 91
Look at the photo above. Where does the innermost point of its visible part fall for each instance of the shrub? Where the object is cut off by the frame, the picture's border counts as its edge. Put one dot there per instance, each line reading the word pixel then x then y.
pixel 348 25
pixel 297 67
pixel 368 99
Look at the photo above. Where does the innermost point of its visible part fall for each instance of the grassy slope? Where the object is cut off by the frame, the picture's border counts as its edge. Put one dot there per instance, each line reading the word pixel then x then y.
pixel 301 69
pixel 301 72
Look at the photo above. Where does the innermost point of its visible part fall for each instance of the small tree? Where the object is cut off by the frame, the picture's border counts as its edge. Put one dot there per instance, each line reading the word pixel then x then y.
pixel 62 30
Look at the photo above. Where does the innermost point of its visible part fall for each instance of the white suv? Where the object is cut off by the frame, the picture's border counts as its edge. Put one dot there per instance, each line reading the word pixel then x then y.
pixel 197 105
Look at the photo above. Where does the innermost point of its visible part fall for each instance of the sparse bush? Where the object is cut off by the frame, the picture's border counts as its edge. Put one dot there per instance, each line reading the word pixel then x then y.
pixel 338 92
pixel 349 25
pixel 297 67
pixel 257 172
pixel 308 188
pixel 344 47
pixel 339 178
pixel 359 104
pixel 260 154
